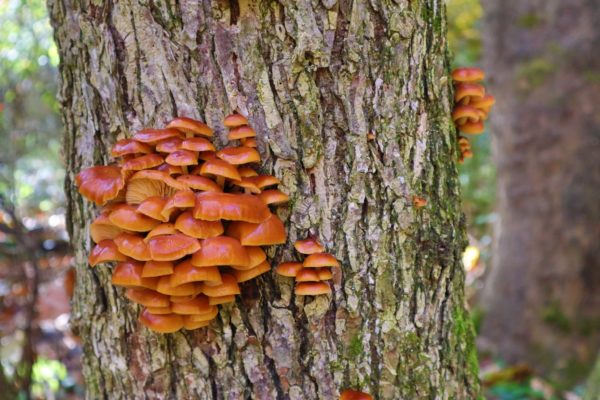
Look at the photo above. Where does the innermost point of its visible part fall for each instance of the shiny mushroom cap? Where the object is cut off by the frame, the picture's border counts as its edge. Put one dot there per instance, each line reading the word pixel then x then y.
pixel 198 305
pixel 126 147
pixel 105 251
pixel 166 323
pixel 199 183
pixel 221 250
pixel 312 288
pixel 246 275
pixel 172 247
pixel 126 217
pixel 169 145
pixel 468 92
pixel 235 120
pixel 143 162
pixel 289 269
pixel 102 229
pixel 239 155
pixel 182 158
pixel 191 126
pixel 241 132
pixel 133 246
pixel 100 184
pixel 229 287
pixel 129 274
pixel 157 268
pixel 155 135
pixel 212 206
pixel 350 394
pixel 185 272
pixel 318 260
pixel 215 167
pixel 310 245
pixel 467 74
pixel 273 197
pixel 472 128
pixel 147 297
pixel 152 207
pixel 270 231
pixel 197 144
pixel 196 228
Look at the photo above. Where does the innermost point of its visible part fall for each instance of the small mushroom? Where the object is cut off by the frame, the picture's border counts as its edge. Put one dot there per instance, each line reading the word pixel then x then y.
pixel 185 272
pixel 289 269
pixel 143 162
pixel 274 197
pixel 133 246
pixel 153 136
pixel 246 275
pixel 270 231
pixel 167 323
pixel 153 268
pixel 235 120
pixel 147 297
pixel 190 126
pixel 197 144
pixel 221 250
pixel 468 92
pixel 318 260
pixel 310 245
pixel 125 147
pixel 239 155
pixel 312 288
pixel 105 251
pixel 172 247
pixel 199 183
pixel 169 145
pixel 197 228
pixel 126 217
pixel 228 287
pixel 213 301
pixel 129 274
pixel 350 394
pixel 467 74
pixel 211 206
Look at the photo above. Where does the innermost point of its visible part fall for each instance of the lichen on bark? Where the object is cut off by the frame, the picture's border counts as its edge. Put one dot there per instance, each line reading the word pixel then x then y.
pixel 314 78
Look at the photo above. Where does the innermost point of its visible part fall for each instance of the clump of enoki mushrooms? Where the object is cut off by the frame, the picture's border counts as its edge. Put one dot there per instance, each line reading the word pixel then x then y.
pixel 472 105
pixel 184 221
pixel 313 272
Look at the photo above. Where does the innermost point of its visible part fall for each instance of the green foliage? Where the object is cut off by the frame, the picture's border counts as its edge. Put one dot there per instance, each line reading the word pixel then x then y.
pixel 31 171
pixel 464 35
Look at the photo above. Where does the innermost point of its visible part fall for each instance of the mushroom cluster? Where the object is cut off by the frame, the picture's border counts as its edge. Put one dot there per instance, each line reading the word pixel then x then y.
pixel 313 272
pixel 472 105
pixel 184 221
pixel 350 394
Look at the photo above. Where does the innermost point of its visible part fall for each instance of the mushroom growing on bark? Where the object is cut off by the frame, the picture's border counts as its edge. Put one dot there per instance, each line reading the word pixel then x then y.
pixel 165 226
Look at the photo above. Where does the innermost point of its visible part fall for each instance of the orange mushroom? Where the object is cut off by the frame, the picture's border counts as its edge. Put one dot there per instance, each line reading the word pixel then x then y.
pixel 241 132
pixel 147 297
pixel 157 268
pixel 182 158
pixel 289 269
pixel 274 197
pixel 155 135
pixel 228 287
pixel 190 126
pixel 467 74
pixel 126 147
pixel 270 231
pixel 133 246
pixel 473 128
pixel 199 183
pixel 105 251
pixel 143 162
pixel 310 245
pixel 126 217
pixel 257 255
pixel 221 250
pixel 239 155
pixel 197 144
pixel 172 247
pixel 468 92
pixel 169 145
pixel 152 207
pixel 235 120
pixel 307 275
pixel 312 288
pixel 129 274
pixel 102 229
pixel 350 394
pixel 167 323
pixel 211 206
pixel 220 170
pixel 213 301
pixel 319 260
pixel 198 305
pixel 185 272
pixel 246 275
pixel 100 184
pixel 196 228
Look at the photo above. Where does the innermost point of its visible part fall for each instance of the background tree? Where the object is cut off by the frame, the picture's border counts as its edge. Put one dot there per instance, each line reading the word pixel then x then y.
pixel 314 79
pixel 542 297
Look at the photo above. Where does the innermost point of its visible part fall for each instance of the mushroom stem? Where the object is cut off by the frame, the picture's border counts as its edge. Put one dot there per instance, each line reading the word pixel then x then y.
pixel 221 181
pixel 184 169
pixel 243 141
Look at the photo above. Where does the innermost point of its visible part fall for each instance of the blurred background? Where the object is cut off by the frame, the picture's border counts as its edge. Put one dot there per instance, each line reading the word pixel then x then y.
pixel 38 350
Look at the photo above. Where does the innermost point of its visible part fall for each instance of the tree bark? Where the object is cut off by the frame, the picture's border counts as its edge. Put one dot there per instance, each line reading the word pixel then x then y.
pixel 314 79
pixel 543 293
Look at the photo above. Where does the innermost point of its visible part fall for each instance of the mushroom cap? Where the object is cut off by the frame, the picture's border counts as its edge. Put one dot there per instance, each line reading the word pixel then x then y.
pixel 463 113
pixel 319 260
pixel 485 103
pixel 246 275
pixel 146 161
pixel 208 316
pixel 157 268
pixel 246 172
pixel 235 120
pixel 197 144
pixel 159 310
pixel 147 297
pixel 129 274
pixel 467 74
pixel 257 255
pixel 187 224
pixel 182 299
pixel 126 217
pixel 211 206
pixel 185 272
pixel 125 147
pixel 199 183
pixel 152 207
pixel 312 288
pixel 289 269
pixel 228 287
pixel 169 145
pixel 472 128
pixel 105 251
pixel 100 184
pixel 217 167
pixel 198 305
pixel 155 135
pixel 133 246
pixel 182 158
pixel 274 197
pixel 180 200
pixel 187 289
pixel 241 132
pixel 170 169
pixel 167 323
pixel 172 247
pixel 206 156
pixel 307 275
pixel 262 181
pixel 159 230
pixel 325 274
pixel 221 250
pixel 189 125
pixel 467 92
pixel 190 325
pixel 213 301
pixel 310 245
pixel 270 231
pixel 102 229
pixel 251 142
pixel 239 155
pixel 463 143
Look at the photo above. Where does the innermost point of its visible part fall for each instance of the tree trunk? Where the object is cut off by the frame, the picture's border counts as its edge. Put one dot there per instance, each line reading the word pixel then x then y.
pixel 314 79
pixel 543 294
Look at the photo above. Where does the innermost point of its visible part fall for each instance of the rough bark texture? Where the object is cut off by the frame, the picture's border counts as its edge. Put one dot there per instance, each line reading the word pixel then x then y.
pixel 543 294
pixel 314 79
